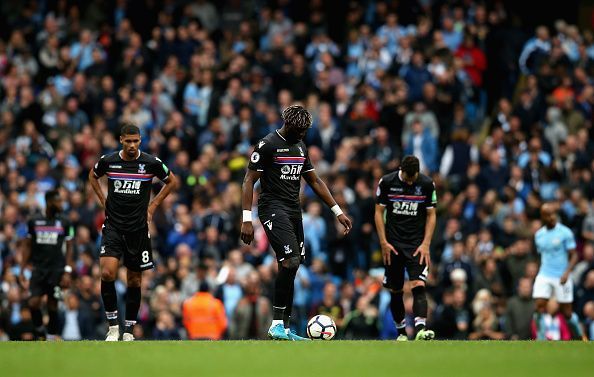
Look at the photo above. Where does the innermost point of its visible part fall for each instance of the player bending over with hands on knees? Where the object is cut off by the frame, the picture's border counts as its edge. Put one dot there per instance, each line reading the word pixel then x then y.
pixel 128 212
pixel 279 161
pixel 408 200
pixel 556 245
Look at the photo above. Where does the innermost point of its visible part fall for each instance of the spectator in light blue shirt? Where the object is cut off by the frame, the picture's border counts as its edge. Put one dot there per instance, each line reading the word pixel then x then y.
pixel 534 50
pixel 83 50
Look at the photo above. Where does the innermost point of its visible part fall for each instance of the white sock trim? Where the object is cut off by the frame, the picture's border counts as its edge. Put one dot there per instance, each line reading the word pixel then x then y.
pixel 277 322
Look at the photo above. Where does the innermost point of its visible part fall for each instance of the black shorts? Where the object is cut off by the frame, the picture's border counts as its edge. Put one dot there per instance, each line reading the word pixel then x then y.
pixel 135 247
pixel 285 234
pixel 44 282
pixel 394 275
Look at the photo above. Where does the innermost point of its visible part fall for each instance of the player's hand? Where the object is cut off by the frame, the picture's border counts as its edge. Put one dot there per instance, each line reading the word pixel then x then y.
pixel 387 250
pixel 346 222
pixel 247 232
pixel 564 278
pixel 425 256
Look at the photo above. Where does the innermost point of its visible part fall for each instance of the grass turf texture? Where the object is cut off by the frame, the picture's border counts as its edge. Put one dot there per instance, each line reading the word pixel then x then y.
pixel 268 358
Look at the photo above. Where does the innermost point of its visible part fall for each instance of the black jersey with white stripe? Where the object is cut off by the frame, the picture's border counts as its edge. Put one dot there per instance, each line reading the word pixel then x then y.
pixel 129 188
pixel 48 236
pixel 282 165
pixel 406 207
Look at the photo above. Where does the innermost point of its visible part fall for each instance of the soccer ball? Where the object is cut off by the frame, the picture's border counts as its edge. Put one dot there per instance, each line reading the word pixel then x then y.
pixel 321 327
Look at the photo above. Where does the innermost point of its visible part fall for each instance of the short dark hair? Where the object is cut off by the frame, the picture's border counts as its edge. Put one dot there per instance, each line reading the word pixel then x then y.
pixel 51 195
pixel 410 165
pixel 129 129
pixel 296 116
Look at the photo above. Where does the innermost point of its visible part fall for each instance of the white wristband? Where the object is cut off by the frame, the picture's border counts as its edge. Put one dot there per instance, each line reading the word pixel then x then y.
pixel 336 209
pixel 247 216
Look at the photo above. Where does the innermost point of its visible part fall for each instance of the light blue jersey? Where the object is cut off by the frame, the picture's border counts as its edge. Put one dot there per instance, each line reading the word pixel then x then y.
pixel 553 245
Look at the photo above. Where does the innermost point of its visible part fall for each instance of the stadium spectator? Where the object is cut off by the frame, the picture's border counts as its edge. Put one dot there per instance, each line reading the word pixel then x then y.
pixel 204 315
pixel 518 315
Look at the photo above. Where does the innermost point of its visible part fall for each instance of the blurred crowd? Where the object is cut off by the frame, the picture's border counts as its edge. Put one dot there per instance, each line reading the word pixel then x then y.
pixel 500 117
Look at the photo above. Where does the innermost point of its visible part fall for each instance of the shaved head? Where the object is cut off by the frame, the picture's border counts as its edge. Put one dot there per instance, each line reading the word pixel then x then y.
pixel 548 214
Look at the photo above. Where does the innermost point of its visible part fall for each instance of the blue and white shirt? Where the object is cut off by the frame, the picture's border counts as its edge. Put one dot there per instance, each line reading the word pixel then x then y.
pixel 554 245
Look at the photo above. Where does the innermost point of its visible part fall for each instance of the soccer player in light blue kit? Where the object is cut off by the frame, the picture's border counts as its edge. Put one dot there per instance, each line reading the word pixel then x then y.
pixel 556 245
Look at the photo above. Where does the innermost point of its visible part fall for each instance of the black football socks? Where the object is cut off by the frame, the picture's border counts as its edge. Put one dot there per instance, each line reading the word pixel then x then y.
pixel 110 301
pixel 132 307
pixel 419 307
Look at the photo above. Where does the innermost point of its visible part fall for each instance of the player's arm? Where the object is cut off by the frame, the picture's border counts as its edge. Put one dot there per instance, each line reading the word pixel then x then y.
pixel 247 229
pixel 570 245
pixel 573 259
pixel 25 256
pixel 381 202
pixel 431 219
pixel 319 187
pixel 94 174
pixel 70 248
pixel 380 226
pixel 171 183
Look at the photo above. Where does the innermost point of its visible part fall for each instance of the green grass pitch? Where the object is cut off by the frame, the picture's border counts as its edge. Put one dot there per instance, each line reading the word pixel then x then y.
pixel 320 359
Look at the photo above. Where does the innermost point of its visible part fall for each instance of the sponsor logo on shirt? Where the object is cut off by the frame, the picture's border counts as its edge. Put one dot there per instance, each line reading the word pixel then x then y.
pixel 283 150
pixel 115 166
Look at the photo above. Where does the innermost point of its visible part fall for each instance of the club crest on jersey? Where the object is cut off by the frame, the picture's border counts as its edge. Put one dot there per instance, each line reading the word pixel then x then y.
pixel 301 152
pixel 141 169
pixel 288 249
pixel 418 190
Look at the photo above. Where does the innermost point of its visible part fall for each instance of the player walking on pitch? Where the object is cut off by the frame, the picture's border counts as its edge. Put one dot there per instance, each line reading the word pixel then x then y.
pixel 128 212
pixel 279 161
pixel 556 245
pixel 49 247
pixel 408 199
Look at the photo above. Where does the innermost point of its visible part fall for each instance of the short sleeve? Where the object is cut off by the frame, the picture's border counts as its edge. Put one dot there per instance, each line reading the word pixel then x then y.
pixel 569 240
pixel 160 170
pixel 100 167
pixel 260 157
pixel 381 193
pixel 430 196
pixel 307 165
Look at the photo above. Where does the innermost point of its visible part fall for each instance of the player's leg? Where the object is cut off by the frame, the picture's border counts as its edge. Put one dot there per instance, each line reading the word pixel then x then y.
pixel 134 280
pixel 55 293
pixel 298 228
pixel 283 239
pixel 112 249
pixel 37 316
pixel 39 287
pixel 564 295
pixel 541 293
pixel 109 267
pixel 53 325
pixel 137 258
pixel 540 308
pixel 394 282
pixel 417 274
